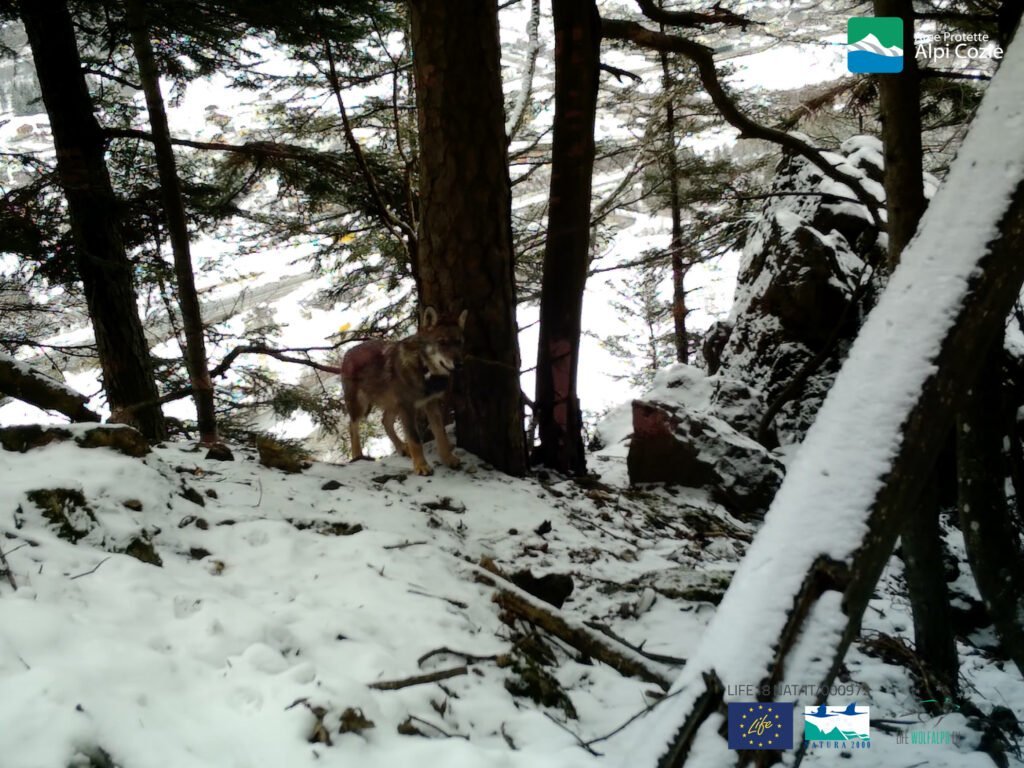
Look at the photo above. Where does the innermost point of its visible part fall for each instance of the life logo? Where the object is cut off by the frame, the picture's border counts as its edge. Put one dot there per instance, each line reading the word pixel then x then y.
pixel 874 45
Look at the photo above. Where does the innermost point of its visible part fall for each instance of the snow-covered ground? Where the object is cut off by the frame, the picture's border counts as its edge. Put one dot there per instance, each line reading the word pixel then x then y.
pixel 276 595
pixel 282 598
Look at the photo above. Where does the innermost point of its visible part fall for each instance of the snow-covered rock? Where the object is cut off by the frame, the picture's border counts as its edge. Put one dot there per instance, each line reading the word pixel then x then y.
pixel 672 444
pixel 802 269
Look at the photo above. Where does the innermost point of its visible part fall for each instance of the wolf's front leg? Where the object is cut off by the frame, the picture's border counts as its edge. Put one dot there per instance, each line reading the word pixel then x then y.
pixel 419 461
pixel 436 420
pixel 413 445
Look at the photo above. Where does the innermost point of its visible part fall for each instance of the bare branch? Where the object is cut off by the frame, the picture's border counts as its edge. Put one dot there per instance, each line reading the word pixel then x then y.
pixel 693 19
pixel 430 677
pixel 395 225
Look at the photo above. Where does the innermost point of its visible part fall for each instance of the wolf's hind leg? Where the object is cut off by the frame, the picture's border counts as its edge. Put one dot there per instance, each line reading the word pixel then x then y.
pixel 355 441
pixel 357 408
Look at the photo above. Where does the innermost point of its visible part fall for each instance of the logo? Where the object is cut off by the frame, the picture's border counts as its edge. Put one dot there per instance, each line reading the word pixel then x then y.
pixel 760 725
pixel 850 725
pixel 874 44
pixel 931 735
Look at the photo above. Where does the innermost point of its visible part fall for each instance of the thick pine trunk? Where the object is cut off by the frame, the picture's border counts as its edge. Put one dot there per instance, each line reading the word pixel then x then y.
pixel 465 228
pixel 102 263
pixel 989 535
pixel 567 249
pixel 899 98
pixel 177 224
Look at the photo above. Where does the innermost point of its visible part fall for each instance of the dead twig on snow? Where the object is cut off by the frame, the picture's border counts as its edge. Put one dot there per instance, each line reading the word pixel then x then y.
pixel 408 682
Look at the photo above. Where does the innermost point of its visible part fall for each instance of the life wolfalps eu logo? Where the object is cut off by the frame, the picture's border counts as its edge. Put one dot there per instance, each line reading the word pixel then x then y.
pixel 874 44
pixel 760 725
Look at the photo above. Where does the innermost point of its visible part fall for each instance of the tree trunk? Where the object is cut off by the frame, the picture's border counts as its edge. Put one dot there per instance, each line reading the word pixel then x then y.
pixel 465 230
pixel 567 249
pixel 799 599
pixel 923 557
pixel 899 99
pixel 177 225
pixel 989 536
pixel 102 263
pixel 675 248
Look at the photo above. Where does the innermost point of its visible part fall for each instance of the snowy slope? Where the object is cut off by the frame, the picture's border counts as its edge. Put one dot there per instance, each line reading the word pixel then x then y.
pixel 277 591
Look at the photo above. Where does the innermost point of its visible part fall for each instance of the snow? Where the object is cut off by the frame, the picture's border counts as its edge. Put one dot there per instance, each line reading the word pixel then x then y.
pixel 822 506
pixel 259 605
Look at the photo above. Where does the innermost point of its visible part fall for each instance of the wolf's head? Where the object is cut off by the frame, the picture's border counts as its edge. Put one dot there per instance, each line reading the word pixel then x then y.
pixel 441 341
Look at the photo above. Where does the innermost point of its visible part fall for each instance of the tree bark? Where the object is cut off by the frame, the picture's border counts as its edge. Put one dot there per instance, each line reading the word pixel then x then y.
pixel 675 248
pixel 989 536
pixel 19 381
pixel 567 249
pixel 899 99
pixel 465 229
pixel 177 224
pixel 102 263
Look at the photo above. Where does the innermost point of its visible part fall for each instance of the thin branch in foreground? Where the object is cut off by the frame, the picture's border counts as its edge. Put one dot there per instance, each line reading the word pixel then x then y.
pixel 91 570
pixel 431 677
pixel 7 571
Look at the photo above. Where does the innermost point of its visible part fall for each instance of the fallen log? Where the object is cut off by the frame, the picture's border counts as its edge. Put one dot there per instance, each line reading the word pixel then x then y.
pixel 525 606
pixel 23 382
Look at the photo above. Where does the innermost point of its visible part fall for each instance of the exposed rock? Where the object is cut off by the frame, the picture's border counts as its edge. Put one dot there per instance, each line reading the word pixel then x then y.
pixel 191 494
pixel 142 549
pixel 25 437
pixel 553 588
pixel 279 455
pixel 671 444
pixel 122 439
pixel 219 452
pixel 330 485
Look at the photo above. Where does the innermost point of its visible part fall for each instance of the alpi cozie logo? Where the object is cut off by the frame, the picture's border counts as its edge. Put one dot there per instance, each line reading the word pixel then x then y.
pixel 874 45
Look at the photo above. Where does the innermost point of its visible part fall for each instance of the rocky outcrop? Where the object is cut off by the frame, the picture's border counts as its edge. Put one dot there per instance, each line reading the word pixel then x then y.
pixel 806 281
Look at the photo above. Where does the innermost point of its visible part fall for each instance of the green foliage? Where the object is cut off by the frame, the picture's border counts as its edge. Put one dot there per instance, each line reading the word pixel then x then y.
pixel 649 345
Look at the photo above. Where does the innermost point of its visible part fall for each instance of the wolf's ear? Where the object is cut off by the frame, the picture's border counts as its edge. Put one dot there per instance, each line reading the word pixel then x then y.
pixel 429 317
pixel 462 319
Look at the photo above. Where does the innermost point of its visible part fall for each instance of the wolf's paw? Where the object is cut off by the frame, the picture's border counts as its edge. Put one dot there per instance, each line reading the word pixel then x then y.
pixel 453 461
pixel 422 469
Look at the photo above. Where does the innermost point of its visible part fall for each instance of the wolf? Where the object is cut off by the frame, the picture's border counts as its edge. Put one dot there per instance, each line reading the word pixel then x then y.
pixel 403 377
